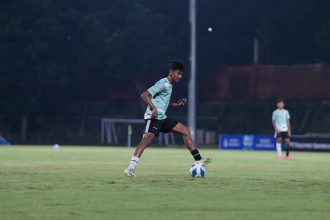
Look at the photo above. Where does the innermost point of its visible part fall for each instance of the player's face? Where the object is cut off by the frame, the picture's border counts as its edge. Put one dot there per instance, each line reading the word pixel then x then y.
pixel 176 75
pixel 280 105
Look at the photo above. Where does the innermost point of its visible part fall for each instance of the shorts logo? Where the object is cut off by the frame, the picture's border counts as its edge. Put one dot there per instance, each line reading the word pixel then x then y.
pixel 155 128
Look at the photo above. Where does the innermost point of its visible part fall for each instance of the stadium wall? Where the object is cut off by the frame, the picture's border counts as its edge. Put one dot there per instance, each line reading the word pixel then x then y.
pixel 271 81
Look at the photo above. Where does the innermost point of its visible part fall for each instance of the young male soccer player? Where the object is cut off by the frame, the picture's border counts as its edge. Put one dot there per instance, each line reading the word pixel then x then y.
pixel 157 98
pixel 282 127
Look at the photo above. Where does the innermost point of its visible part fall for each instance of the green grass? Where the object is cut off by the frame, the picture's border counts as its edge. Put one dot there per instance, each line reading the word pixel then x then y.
pixel 88 183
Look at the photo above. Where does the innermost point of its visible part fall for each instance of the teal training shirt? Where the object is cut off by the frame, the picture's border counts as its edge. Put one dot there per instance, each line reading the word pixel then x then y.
pixel 280 116
pixel 161 95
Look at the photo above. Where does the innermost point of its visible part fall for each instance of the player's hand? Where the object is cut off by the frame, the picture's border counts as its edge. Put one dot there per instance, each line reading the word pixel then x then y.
pixel 154 113
pixel 180 102
pixel 289 134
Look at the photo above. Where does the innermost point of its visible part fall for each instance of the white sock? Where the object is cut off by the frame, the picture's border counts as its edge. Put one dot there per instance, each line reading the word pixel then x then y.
pixel 134 162
pixel 279 149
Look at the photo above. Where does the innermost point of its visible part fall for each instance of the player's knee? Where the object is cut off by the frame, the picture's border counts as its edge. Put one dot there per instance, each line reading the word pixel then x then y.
pixel 186 131
pixel 147 138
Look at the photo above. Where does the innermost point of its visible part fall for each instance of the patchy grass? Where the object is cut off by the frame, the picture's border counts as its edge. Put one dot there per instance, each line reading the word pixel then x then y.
pixel 88 183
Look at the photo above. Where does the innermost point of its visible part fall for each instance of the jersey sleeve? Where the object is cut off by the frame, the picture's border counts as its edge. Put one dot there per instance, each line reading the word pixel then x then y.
pixel 158 87
pixel 287 115
pixel 273 116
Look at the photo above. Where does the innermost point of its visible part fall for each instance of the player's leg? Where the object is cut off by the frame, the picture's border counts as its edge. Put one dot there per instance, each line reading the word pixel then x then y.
pixel 188 141
pixel 287 148
pixel 144 143
pixel 279 146
pixel 187 138
pixel 151 130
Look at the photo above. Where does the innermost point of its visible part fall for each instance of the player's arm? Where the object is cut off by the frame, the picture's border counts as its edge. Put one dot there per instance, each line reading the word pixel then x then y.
pixel 289 127
pixel 274 125
pixel 180 102
pixel 146 97
pixel 288 123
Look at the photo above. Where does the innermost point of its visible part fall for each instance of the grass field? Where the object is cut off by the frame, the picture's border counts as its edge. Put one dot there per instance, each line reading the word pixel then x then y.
pixel 88 183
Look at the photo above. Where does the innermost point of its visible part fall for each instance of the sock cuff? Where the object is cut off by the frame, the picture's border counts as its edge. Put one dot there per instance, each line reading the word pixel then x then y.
pixel 136 159
pixel 195 153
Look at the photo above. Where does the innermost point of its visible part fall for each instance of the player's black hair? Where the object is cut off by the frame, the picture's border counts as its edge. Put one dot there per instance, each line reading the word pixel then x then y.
pixel 177 65
pixel 279 100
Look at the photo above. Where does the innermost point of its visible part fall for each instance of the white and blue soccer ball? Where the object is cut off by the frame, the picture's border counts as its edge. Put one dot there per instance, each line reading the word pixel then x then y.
pixel 197 170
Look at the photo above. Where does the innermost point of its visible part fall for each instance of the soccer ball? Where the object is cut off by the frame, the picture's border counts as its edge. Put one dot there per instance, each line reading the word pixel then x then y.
pixel 197 170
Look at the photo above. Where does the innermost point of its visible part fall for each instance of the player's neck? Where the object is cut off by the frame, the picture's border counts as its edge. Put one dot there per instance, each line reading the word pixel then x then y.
pixel 169 78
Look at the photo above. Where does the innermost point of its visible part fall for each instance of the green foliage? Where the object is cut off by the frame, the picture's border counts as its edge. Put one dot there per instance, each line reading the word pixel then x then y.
pixel 54 53
pixel 322 38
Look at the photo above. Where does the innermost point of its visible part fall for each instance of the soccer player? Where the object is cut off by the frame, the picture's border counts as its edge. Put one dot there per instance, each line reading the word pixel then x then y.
pixel 282 127
pixel 157 98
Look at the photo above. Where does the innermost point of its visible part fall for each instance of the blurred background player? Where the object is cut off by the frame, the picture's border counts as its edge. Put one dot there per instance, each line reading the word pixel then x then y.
pixel 158 98
pixel 282 127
